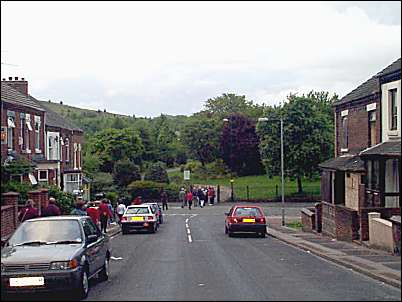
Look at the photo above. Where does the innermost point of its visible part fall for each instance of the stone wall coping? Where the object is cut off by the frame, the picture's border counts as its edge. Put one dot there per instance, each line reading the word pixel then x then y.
pixel 307 211
pixel 383 221
pixel 35 192
pixel 10 194
pixel 396 219
pixel 7 207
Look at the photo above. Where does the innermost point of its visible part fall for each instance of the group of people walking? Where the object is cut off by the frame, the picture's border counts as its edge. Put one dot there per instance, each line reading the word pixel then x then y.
pixel 30 211
pixel 197 195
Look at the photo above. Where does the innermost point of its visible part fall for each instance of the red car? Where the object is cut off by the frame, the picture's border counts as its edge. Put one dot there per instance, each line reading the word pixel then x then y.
pixel 245 218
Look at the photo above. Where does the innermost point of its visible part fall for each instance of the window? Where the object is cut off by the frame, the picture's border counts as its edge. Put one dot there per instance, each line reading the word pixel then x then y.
pixel 373 175
pixel 42 175
pixel 372 130
pixel 22 131
pixel 28 132
pixel 345 136
pixel 10 129
pixel 37 133
pixel 67 144
pixel 75 156
pixel 393 109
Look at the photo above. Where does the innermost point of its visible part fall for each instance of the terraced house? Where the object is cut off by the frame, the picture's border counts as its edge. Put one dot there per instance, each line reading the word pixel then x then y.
pixel 30 128
pixel 364 176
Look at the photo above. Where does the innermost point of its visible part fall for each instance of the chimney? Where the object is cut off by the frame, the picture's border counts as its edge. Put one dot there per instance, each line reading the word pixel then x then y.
pixel 20 85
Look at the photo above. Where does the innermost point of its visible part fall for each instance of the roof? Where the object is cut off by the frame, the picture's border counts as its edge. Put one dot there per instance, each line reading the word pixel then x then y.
pixel 389 148
pixel 54 119
pixel 13 96
pixel 394 67
pixel 344 163
pixel 371 86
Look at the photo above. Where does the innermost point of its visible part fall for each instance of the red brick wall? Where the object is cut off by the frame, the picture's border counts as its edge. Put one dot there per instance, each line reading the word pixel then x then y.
pixel 358 129
pixel 9 213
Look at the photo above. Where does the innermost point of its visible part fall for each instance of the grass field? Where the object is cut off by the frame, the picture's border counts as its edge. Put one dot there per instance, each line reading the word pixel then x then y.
pixel 260 186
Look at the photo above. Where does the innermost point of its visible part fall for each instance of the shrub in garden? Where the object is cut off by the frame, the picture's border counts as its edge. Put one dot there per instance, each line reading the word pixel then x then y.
pixel 151 190
pixel 157 173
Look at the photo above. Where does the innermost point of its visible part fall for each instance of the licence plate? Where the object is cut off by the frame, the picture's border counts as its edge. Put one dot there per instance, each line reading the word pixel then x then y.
pixel 139 218
pixel 248 220
pixel 27 281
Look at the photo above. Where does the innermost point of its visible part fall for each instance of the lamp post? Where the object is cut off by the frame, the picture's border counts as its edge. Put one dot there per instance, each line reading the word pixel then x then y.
pixel 225 120
pixel 264 119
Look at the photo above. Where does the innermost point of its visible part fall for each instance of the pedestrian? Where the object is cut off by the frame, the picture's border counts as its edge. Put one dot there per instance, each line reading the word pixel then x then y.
pixel 104 214
pixel 182 197
pixel 211 196
pixel 93 212
pixel 28 212
pixel 120 209
pixel 137 200
pixel 195 197
pixel 201 196
pixel 52 209
pixel 110 206
pixel 79 209
pixel 205 196
pixel 164 200
pixel 189 199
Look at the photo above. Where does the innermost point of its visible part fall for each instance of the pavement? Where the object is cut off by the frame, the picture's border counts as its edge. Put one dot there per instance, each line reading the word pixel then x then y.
pixel 377 264
pixel 113 229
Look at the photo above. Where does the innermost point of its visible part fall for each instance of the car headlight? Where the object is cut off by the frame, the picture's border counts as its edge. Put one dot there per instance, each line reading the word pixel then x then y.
pixel 62 265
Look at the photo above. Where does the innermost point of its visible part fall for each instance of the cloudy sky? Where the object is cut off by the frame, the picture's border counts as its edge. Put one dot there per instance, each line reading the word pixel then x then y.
pixel 148 58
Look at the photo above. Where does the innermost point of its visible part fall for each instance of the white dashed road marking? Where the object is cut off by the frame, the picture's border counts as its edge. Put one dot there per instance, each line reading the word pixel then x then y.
pixel 190 239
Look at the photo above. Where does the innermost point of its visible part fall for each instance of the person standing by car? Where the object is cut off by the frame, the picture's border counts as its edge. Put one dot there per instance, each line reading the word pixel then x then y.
pixel 182 197
pixel 189 199
pixel 52 209
pixel 104 214
pixel 93 212
pixel 28 212
pixel 120 209
pixel 164 200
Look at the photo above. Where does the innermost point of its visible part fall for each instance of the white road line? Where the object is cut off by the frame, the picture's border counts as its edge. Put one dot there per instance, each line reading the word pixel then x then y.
pixel 186 220
pixel 188 231
pixel 187 225
pixel 189 238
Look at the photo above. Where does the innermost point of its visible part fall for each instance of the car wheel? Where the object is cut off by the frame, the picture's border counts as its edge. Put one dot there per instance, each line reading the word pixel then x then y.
pixel 124 231
pixel 262 234
pixel 230 233
pixel 104 273
pixel 83 288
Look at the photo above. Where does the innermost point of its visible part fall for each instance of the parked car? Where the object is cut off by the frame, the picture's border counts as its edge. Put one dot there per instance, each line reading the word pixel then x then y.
pixel 139 217
pixel 245 219
pixel 158 210
pixel 54 254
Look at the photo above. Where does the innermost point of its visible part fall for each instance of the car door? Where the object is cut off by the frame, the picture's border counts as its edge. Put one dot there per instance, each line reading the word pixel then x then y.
pixel 92 248
pixel 101 244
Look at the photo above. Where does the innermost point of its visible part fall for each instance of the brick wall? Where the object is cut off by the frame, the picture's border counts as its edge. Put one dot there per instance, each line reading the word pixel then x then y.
pixel 308 219
pixel 9 213
pixel 325 186
pixel 358 125
pixel 386 213
pixel 328 219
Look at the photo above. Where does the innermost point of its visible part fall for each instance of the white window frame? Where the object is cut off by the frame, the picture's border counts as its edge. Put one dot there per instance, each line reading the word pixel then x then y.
pixel 47 175
pixel 75 156
pixel 28 133
pixel 37 134
pixel 10 132
pixel 67 144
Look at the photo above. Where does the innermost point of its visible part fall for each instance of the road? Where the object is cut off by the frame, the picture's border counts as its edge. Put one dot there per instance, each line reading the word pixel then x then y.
pixel 200 262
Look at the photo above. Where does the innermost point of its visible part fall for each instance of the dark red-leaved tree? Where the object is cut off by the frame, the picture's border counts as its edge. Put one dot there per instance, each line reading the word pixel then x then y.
pixel 239 146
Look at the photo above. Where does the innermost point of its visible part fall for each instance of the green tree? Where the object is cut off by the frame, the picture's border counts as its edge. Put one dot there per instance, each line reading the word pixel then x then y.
pixel 308 135
pixel 157 173
pixel 125 172
pixel 201 138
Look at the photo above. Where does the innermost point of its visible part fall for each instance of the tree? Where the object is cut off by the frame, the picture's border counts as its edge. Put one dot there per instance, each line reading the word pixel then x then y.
pixel 239 146
pixel 112 145
pixel 308 135
pixel 201 138
pixel 229 103
pixel 125 172
pixel 157 173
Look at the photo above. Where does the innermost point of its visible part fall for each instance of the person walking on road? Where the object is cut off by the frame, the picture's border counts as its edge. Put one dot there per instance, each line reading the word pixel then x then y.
pixel 182 197
pixel 28 212
pixel 189 199
pixel 104 214
pixel 137 201
pixel 52 209
pixel 79 209
pixel 211 196
pixel 93 212
pixel 120 209
pixel 164 200
pixel 201 197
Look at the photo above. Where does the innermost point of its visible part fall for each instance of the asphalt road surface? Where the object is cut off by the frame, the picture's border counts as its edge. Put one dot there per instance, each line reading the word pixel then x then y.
pixel 190 258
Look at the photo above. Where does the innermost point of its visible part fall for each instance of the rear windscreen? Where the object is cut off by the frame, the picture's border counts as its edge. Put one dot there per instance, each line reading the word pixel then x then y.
pixel 137 211
pixel 247 212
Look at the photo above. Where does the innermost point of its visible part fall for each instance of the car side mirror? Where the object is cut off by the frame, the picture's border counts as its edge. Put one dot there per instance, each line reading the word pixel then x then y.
pixel 92 238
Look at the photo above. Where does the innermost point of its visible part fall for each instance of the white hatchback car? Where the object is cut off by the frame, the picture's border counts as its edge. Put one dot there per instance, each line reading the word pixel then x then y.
pixel 139 217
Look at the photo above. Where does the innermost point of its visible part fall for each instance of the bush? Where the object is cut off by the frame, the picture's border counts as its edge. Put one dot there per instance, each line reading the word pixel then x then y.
pixel 102 182
pixel 15 186
pixel 214 170
pixel 125 172
pixel 112 196
pixel 191 165
pixel 157 173
pixel 151 190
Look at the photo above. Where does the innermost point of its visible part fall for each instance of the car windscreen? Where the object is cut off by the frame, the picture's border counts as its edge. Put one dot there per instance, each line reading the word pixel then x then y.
pixel 247 212
pixel 138 210
pixel 47 231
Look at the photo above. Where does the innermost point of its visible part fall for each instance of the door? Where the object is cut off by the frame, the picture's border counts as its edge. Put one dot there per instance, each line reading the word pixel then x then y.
pixel 92 248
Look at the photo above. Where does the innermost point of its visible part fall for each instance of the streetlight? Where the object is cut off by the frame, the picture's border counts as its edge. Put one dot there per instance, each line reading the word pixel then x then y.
pixel 225 120
pixel 264 119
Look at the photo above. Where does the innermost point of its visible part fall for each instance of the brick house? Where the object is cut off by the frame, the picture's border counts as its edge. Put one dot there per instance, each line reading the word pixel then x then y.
pixel 364 175
pixel 53 145
pixel 22 126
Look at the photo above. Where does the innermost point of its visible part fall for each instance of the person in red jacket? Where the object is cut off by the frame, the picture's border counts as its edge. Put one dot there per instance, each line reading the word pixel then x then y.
pixel 28 212
pixel 93 212
pixel 189 198
pixel 137 201
pixel 104 214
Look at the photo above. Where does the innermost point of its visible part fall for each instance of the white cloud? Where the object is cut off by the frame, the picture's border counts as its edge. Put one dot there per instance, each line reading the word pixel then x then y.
pixel 145 58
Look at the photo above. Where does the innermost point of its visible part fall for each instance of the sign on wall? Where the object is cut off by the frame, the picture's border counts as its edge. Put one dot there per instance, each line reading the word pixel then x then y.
pixel 187 175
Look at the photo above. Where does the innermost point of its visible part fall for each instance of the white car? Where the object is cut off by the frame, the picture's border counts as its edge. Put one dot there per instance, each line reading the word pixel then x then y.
pixel 139 217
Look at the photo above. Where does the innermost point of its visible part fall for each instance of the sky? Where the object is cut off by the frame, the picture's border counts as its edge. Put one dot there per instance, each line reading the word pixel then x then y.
pixel 148 58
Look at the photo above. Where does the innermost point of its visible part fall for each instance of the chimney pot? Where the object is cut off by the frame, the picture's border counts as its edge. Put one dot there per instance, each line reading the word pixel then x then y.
pixel 22 79
pixel 16 78
pixel 4 79
pixel 10 78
